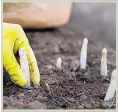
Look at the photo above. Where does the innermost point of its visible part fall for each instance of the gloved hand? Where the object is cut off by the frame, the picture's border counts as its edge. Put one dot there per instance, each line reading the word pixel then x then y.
pixel 14 38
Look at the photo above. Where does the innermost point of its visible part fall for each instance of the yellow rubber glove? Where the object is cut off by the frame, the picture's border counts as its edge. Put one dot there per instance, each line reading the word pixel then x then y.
pixel 14 38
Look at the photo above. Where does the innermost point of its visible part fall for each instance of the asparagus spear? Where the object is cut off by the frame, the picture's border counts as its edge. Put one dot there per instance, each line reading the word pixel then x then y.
pixel 83 55
pixel 25 66
pixel 112 87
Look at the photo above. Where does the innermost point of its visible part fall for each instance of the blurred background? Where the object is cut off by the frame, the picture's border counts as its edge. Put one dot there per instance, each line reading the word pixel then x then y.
pixel 95 20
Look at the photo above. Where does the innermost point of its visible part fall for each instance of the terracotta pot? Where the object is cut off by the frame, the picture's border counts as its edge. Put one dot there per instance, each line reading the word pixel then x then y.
pixel 37 14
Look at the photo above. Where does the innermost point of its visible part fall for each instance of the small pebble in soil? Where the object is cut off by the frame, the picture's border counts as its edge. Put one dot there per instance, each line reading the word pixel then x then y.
pixel 11 98
pixel 65 65
pixel 17 103
pixel 29 91
pixel 86 77
pixel 86 74
pixel 89 77
pixel 55 49
pixel 64 47
pixel 47 86
pixel 35 105
pixel 49 67
pixel 97 104
pixel 51 82
pixel 44 50
pixel 94 62
pixel 88 106
pixel 72 76
pixel 71 100
pixel 74 65
pixel 92 101
pixel 21 95
pixel 41 98
pixel 83 98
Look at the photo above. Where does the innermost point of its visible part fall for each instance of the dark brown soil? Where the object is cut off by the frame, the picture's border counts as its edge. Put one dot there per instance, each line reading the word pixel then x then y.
pixel 80 89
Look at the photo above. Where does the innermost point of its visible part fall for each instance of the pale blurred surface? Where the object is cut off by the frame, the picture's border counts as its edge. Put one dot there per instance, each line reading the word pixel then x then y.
pixel 95 20
pixel 37 14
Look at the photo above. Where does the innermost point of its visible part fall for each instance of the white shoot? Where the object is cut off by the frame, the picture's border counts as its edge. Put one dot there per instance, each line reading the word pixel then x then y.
pixel 112 87
pixel 58 63
pixel 104 62
pixel 24 66
pixel 83 55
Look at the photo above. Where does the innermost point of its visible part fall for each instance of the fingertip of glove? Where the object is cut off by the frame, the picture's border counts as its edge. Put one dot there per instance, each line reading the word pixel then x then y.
pixel 36 84
pixel 23 83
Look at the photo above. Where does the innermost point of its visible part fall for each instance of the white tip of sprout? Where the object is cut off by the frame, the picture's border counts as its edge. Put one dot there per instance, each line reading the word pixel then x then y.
pixel 104 63
pixel 83 55
pixel 104 50
pixel 112 87
pixel 58 63
pixel 85 40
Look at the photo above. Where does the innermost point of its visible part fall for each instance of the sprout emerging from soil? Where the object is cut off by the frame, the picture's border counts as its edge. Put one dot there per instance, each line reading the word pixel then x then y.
pixel 58 63
pixel 104 63
pixel 112 87
pixel 24 66
pixel 83 55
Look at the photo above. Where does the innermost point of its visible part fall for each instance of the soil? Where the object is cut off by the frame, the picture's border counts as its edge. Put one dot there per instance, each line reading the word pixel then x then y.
pixel 68 89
